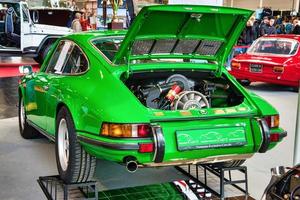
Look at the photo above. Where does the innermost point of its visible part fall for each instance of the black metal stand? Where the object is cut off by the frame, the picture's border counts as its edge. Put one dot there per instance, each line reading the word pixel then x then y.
pixel 193 172
pixel 54 188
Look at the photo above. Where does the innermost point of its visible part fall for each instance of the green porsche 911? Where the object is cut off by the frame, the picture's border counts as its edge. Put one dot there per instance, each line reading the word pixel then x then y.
pixel 155 95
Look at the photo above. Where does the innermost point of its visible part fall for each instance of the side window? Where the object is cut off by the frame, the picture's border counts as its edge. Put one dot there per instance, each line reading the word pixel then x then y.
pixel 76 62
pixel 25 13
pixel 59 57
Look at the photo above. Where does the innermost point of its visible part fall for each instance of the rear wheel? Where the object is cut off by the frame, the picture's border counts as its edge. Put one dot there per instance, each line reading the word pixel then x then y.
pixel 26 131
pixel 44 51
pixel 295 89
pixel 233 163
pixel 74 164
pixel 244 82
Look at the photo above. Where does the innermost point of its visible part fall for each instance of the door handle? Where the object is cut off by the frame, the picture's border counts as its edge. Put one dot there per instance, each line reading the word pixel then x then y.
pixel 46 87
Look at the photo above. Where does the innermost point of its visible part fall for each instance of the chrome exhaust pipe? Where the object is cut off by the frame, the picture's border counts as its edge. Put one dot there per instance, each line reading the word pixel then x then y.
pixel 131 165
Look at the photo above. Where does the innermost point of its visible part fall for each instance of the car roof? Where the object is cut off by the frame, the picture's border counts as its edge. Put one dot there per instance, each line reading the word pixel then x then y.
pixel 287 36
pixel 10 1
pixel 89 35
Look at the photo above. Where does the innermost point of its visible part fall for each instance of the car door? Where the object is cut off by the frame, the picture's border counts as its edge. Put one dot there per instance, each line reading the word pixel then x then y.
pixel 63 85
pixel 36 89
pixel 25 37
pixel 42 84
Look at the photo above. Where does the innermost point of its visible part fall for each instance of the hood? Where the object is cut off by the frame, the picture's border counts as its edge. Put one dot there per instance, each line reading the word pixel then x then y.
pixel 52 30
pixel 183 32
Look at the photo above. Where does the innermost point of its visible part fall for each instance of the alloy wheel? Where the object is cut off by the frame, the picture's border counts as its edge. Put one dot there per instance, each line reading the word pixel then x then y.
pixel 63 144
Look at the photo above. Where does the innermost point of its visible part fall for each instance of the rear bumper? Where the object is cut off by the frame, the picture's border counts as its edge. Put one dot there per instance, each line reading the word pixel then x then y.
pixel 166 152
pixel 243 75
pixel 151 159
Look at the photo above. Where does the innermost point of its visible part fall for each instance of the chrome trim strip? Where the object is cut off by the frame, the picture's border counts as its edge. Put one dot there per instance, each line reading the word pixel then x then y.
pixel 42 131
pixel 115 146
pixel 200 118
pixel 213 159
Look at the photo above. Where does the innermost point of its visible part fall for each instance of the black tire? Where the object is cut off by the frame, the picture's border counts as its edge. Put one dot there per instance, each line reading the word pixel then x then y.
pixel 233 163
pixel 295 89
pixel 244 82
pixel 26 131
pixel 43 52
pixel 80 166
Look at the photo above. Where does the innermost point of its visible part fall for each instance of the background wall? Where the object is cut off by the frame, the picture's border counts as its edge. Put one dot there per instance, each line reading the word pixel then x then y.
pixel 202 2
pixel 254 4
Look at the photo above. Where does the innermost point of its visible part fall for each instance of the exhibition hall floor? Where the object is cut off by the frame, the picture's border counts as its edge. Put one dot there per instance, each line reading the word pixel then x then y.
pixel 23 161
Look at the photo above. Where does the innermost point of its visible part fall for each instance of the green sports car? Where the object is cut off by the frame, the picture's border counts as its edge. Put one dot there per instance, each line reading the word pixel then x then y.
pixel 155 95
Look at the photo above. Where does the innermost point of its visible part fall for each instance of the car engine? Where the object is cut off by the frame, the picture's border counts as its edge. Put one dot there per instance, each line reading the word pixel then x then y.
pixel 177 92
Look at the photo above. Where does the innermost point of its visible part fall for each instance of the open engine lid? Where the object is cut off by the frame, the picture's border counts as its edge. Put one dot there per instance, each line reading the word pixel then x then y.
pixel 183 31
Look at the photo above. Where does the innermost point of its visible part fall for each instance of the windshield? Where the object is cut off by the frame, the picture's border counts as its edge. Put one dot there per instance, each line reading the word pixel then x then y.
pixel 108 46
pixel 277 46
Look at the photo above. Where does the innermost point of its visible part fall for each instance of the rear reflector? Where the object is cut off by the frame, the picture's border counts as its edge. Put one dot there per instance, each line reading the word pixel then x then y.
pixel 146 148
pixel 274 137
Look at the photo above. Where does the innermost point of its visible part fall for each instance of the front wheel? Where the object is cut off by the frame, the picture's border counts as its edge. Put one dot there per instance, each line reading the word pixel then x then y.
pixel 74 164
pixel 244 82
pixel 26 131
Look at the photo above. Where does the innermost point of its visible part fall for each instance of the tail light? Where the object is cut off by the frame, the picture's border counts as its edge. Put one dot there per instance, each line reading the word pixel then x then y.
pixel 278 69
pixel 272 121
pixel 236 65
pixel 126 130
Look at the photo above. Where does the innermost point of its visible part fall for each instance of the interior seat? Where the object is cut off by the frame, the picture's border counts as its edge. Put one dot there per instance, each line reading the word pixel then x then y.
pixel 9 27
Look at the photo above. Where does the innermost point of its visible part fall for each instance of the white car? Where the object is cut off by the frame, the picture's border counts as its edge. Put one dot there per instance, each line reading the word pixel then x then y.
pixel 20 34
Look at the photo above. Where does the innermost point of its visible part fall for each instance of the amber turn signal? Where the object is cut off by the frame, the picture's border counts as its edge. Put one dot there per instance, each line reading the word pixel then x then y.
pixel 236 65
pixel 278 69
pixel 272 121
pixel 126 130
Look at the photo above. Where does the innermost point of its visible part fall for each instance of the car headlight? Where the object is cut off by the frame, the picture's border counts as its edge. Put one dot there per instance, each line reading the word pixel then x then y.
pixel 126 130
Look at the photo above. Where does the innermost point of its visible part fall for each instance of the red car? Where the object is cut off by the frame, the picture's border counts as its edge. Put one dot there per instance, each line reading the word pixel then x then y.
pixel 273 59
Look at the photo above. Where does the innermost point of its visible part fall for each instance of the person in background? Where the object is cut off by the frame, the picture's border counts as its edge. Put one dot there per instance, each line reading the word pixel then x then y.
pixel 255 27
pixel 248 34
pixel 263 28
pixel 288 25
pixel 76 26
pixel 93 21
pixel 296 27
pixel 295 22
pixel 84 21
pixel 271 27
pixel 280 28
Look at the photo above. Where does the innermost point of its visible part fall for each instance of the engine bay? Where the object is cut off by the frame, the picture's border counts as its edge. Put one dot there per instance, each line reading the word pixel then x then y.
pixel 183 90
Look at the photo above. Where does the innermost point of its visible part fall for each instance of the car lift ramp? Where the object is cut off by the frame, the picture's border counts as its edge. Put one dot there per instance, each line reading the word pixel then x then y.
pixel 55 189
pixel 202 174
pixel 200 184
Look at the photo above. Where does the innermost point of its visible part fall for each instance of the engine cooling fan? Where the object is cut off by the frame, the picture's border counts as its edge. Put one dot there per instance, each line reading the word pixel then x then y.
pixel 190 100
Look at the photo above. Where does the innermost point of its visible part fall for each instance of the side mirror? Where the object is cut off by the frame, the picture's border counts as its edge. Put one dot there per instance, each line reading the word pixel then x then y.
pixel 26 69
